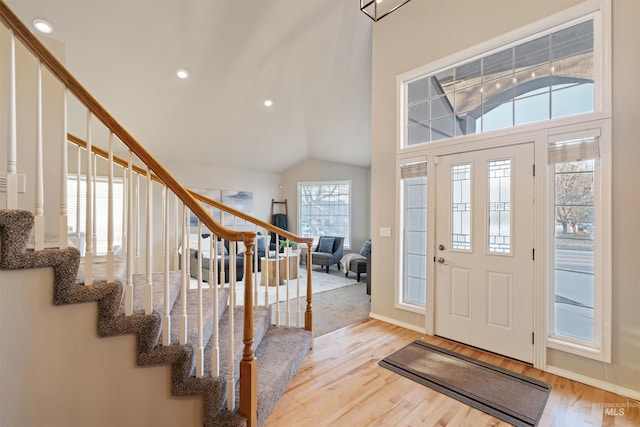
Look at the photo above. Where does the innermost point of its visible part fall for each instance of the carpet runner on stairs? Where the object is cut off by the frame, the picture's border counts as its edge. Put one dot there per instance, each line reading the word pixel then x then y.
pixel 279 351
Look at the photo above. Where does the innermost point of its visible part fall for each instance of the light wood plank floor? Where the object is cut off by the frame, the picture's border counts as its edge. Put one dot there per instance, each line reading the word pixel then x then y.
pixel 341 384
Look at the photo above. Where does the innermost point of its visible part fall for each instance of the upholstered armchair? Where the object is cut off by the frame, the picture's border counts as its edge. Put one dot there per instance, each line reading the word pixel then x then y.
pixel 357 263
pixel 328 251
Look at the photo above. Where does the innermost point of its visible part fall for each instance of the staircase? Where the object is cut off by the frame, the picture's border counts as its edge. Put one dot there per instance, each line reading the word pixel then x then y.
pixel 279 350
pixel 229 354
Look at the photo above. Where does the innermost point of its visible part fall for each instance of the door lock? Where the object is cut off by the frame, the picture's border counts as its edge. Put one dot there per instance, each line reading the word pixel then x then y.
pixel 441 247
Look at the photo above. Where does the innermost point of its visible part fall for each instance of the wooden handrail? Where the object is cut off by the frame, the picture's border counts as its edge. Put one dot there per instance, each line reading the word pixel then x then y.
pixel 122 162
pixel 73 85
pixel 105 155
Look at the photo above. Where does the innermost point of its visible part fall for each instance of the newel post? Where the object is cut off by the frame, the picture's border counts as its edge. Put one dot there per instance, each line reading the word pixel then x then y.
pixel 249 364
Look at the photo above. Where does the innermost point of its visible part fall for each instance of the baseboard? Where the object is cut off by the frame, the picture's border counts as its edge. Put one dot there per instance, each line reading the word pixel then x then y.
pixel 397 323
pixel 623 391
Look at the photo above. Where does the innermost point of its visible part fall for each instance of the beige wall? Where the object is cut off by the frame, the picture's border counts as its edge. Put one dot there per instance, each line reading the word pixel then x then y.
pixel 56 371
pixel 312 170
pixel 424 31
pixel 263 185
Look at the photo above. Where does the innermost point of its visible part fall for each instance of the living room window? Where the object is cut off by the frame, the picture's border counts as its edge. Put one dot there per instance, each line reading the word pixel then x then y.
pixel 101 194
pixel 324 209
pixel 413 223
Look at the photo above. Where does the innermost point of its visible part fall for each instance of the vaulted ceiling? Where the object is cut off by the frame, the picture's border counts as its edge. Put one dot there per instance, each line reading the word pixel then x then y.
pixel 313 58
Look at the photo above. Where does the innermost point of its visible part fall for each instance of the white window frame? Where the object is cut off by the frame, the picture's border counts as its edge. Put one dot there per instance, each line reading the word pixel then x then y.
pixel 400 267
pixel 347 238
pixel 600 349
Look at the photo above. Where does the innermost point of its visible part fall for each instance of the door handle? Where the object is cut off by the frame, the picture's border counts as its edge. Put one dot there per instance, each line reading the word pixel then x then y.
pixel 441 260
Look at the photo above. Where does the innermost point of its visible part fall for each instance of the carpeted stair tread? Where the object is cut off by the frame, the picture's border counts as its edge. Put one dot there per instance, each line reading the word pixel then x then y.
pixel 261 323
pixel 139 284
pixel 279 355
pixel 192 315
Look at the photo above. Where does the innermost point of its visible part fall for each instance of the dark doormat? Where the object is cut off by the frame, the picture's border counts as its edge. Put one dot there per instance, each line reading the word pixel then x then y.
pixel 511 397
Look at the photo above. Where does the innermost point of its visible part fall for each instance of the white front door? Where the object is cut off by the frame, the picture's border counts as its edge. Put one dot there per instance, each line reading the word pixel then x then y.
pixel 484 249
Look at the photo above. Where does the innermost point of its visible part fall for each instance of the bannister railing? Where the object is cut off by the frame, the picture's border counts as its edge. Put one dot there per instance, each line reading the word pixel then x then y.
pixel 166 242
pixel 238 219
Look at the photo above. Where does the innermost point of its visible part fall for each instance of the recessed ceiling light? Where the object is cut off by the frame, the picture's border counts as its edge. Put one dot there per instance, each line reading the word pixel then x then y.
pixel 182 73
pixel 268 102
pixel 43 26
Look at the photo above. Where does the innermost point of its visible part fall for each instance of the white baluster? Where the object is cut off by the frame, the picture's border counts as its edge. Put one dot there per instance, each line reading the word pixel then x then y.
pixel 62 224
pixel 223 274
pixel 38 224
pixel 136 221
pixel 176 254
pixel 199 348
pixel 78 170
pixel 256 260
pixel 88 251
pixel 12 147
pixel 277 272
pixel 265 274
pixel 128 307
pixel 231 394
pixel 94 183
pixel 298 288
pixel 125 212
pixel 111 271
pixel 286 275
pixel 166 321
pixel 213 283
pixel 186 280
pixel 148 289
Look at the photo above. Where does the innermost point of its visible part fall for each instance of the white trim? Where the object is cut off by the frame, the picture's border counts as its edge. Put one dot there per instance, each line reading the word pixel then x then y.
pixel 623 391
pixel 395 322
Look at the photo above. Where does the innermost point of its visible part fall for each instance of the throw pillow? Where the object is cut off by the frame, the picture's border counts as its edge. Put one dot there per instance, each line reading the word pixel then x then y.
pixel 326 244
pixel 261 243
pixel 366 248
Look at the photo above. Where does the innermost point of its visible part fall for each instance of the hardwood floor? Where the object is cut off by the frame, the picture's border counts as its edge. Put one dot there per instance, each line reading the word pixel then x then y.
pixel 341 384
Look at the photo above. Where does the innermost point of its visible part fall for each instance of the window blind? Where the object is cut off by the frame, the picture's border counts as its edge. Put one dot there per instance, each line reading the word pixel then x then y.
pixel 413 170
pixel 574 151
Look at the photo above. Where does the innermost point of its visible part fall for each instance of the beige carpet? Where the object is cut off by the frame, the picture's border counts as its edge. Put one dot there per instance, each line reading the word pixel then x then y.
pixel 332 310
pixel 297 287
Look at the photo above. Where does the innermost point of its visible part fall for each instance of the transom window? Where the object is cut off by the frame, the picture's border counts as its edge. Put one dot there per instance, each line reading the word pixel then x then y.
pixel 549 77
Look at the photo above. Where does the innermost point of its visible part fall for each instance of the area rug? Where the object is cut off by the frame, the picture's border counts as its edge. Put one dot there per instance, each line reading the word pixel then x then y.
pixel 511 397
pixel 332 309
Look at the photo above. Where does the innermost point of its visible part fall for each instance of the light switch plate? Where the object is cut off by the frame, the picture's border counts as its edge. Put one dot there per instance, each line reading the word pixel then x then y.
pixel 385 231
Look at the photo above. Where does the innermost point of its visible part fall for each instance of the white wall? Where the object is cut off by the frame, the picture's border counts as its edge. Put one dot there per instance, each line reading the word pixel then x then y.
pixel 424 31
pixel 313 170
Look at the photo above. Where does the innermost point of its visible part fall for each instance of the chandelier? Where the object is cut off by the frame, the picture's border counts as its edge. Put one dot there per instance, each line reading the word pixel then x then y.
pixel 378 9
